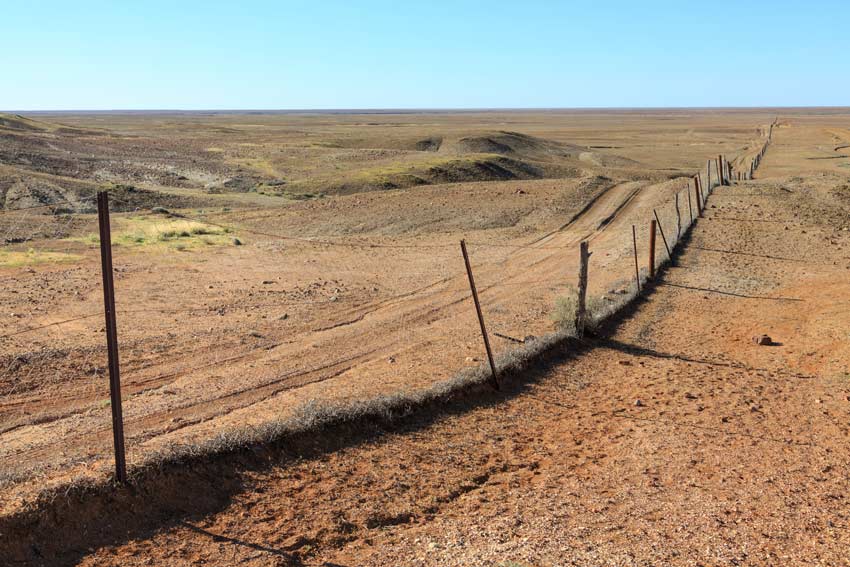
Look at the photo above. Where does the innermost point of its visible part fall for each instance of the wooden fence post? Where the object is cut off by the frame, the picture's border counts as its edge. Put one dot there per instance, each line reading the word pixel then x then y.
pixel 581 310
pixel 708 177
pixel 480 315
pixel 637 269
pixel 652 249
pixel 111 336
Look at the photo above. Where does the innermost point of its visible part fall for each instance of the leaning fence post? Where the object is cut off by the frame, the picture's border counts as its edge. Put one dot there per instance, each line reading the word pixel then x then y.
pixel 581 309
pixel 663 238
pixel 480 315
pixel 111 336
pixel 652 249
pixel 637 269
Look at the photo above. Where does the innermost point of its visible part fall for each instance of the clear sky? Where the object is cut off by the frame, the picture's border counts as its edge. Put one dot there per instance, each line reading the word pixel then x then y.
pixel 193 54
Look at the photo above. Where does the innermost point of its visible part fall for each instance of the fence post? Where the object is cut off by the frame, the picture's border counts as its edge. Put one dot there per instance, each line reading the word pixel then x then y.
pixel 581 310
pixel 652 249
pixel 708 177
pixel 480 315
pixel 637 269
pixel 697 198
pixel 720 177
pixel 690 207
pixel 678 219
pixel 111 336
pixel 663 238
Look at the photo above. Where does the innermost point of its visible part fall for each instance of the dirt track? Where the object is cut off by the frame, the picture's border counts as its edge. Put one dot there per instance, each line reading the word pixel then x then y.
pixel 736 453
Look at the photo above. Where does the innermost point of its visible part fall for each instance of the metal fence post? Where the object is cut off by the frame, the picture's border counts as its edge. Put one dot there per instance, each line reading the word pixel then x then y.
pixel 480 315
pixel 637 269
pixel 652 249
pixel 581 310
pixel 111 336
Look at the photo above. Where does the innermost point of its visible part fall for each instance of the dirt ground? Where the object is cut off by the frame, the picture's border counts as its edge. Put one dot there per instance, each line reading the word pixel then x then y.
pixel 734 454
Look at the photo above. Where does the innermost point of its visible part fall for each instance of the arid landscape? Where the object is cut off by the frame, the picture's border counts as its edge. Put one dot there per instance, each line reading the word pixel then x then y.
pixel 303 374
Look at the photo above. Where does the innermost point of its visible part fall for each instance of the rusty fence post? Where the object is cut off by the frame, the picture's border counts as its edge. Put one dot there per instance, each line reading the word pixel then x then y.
pixel 652 249
pixel 480 315
pixel 111 336
pixel 663 238
pixel 637 269
pixel 581 309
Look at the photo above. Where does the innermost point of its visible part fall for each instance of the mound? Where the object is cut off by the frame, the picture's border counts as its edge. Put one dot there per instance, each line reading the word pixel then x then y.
pixel 17 122
pixel 517 145
pixel 428 144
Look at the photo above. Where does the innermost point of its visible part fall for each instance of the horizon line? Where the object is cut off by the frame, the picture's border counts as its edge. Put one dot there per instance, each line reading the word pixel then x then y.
pixel 406 110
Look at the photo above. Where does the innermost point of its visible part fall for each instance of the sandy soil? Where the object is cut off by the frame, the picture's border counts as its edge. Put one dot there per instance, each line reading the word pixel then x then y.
pixel 222 337
pixel 735 455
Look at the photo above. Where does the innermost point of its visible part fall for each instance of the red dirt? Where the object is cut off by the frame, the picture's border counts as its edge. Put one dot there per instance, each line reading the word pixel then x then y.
pixel 736 454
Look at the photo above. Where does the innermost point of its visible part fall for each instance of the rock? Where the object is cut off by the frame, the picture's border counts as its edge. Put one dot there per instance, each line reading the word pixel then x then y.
pixel 529 338
pixel 283 317
pixel 471 359
pixel 690 396
pixel 763 340
pixel 391 360
pixel 625 362
pixel 638 403
pixel 237 242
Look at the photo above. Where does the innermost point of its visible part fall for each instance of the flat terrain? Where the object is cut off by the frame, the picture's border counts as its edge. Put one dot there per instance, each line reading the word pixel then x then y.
pixel 347 283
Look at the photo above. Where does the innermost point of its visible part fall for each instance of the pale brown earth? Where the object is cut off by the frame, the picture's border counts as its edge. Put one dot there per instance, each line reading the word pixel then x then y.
pixel 737 451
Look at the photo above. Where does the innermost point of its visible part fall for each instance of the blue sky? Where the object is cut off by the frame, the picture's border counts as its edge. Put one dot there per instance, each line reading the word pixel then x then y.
pixel 426 54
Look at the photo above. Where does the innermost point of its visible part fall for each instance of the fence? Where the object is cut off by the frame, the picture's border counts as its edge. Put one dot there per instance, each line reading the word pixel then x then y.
pixel 432 323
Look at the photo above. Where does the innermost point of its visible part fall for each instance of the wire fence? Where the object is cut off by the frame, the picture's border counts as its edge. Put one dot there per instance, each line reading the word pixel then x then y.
pixel 235 341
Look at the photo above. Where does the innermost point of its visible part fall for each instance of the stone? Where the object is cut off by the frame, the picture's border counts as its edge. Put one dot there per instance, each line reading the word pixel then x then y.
pixel 763 340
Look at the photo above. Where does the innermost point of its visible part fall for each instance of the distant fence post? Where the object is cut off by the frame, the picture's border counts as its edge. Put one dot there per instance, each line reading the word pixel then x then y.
pixel 690 207
pixel 637 269
pixel 480 315
pixel 678 219
pixel 697 198
pixel 720 176
pixel 663 238
pixel 652 249
pixel 111 336
pixel 581 309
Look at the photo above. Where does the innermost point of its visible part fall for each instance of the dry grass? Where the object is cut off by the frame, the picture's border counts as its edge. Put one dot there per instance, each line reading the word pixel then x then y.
pixel 16 258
